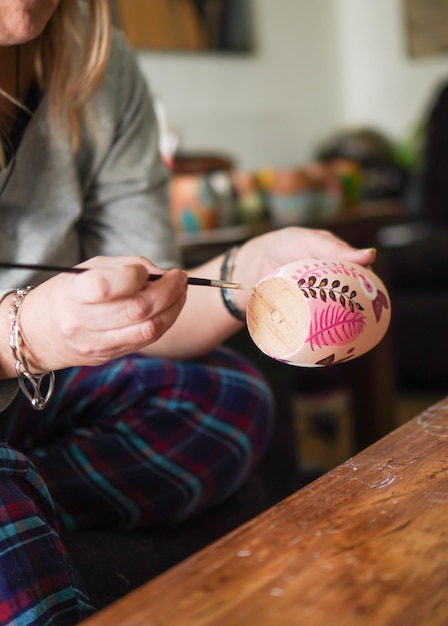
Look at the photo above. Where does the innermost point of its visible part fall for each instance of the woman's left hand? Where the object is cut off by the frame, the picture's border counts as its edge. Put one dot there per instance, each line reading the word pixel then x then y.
pixel 271 250
pixel 262 255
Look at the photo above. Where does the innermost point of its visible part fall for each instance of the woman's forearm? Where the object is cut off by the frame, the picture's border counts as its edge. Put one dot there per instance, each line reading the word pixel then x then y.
pixel 204 321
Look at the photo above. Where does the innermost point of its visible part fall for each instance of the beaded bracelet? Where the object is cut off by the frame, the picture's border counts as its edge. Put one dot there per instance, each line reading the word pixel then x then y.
pixel 24 376
pixel 226 274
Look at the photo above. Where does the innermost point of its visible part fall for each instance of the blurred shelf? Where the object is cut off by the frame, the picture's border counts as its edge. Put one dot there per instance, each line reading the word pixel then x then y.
pixel 227 234
pixel 358 227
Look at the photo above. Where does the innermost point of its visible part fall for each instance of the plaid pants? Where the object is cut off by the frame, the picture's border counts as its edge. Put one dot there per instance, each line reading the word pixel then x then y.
pixel 135 443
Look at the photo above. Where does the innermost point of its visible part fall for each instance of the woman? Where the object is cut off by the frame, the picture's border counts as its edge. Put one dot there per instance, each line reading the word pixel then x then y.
pixel 166 424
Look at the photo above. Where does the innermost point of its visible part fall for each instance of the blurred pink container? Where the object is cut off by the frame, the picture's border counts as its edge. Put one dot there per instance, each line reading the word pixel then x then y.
pixel 291 197
pixel 194 203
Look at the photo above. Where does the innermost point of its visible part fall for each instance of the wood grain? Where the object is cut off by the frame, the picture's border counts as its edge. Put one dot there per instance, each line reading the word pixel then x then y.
pixel 365 544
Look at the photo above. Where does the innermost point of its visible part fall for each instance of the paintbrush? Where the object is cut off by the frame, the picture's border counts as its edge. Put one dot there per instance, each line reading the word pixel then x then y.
pixel 205 282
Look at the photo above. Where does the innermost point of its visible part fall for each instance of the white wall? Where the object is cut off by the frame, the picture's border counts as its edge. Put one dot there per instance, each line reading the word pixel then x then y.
pixel 319 65
pixel 381 84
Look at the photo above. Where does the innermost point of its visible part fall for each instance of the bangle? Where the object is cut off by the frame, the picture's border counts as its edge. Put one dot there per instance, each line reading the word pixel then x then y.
pixel 24 376
pixel 226 274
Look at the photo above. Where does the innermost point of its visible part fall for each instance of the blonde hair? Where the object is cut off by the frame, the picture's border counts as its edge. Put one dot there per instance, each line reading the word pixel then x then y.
pixel 71 60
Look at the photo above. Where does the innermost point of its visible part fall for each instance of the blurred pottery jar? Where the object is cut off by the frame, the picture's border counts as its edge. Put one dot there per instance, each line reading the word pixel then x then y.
pixel 194 203
pixel 265 179
pixel 291 197
pixel 351 177
pixel 327 191
pixel 221 184
pixel 318 312
pixel 250 204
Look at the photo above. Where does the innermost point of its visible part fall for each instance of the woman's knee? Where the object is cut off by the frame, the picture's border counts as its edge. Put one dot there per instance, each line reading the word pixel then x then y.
pixel 226 417
pixel 236 393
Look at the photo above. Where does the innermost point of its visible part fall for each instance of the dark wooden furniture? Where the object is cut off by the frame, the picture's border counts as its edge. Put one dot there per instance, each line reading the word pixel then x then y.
pixel 364 544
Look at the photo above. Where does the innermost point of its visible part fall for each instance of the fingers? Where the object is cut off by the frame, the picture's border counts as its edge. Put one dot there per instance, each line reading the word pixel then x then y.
pixel 123 339
pixel 299 243
pixel 363 256
pixel 325 243
pixel 101 314
pixel 111 278
pixel 265 253
pixel 134 302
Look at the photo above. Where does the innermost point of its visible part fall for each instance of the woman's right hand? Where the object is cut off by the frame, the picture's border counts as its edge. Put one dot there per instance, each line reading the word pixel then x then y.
pixel 95 316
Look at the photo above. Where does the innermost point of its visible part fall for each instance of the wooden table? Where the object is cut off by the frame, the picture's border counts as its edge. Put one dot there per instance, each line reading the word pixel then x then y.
pixel 365 544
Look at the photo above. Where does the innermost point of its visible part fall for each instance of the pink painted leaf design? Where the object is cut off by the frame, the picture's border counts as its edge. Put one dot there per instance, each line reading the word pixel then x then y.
pixel 334 325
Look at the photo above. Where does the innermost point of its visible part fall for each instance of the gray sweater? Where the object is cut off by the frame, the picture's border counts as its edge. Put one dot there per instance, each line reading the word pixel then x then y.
pixel 110 198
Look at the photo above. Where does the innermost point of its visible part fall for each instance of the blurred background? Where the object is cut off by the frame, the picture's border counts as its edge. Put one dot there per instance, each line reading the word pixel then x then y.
pixel 310 68
pixel 325 113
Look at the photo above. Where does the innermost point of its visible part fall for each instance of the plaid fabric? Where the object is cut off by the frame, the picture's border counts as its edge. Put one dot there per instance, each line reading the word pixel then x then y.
pixel 134 443
pixel 37 582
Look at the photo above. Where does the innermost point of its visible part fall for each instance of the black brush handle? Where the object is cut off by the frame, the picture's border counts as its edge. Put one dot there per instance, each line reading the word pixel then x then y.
pixel 206 282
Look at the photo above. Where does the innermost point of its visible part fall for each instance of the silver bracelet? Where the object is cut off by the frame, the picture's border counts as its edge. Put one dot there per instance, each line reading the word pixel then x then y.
pixel 226 274
pixel 38 400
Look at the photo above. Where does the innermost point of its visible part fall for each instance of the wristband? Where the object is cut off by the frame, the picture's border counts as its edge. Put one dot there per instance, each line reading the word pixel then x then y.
pixel 226 274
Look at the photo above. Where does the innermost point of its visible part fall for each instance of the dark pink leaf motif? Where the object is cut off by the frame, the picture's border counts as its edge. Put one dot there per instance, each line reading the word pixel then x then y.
pixel 334 325
pixel 381 302
pixel 329 360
